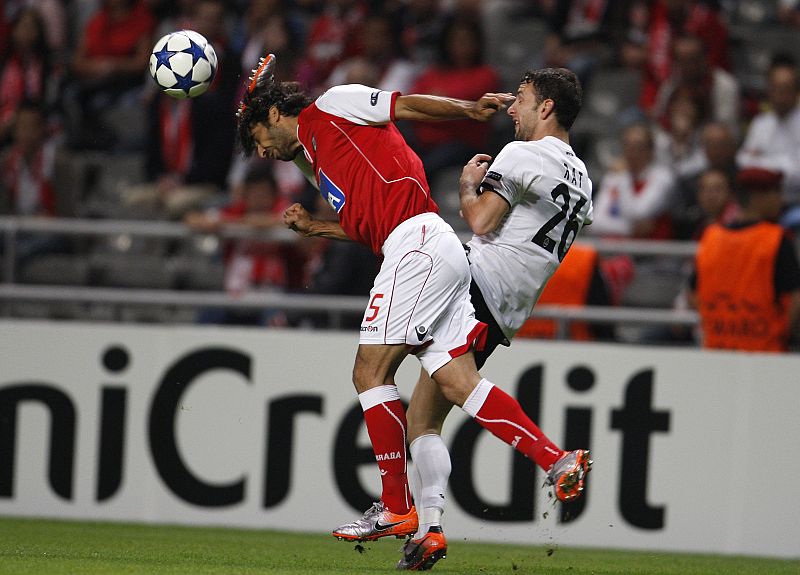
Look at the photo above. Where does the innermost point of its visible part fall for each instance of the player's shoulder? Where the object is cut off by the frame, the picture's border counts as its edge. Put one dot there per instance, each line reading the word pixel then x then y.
pixel 547 145
pixel 518 148
pixel 356 102
pixel 351 91
pixel 346 89
pixel 336 94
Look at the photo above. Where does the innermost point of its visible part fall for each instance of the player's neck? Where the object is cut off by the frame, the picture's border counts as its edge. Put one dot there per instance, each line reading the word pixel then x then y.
pixel 557 132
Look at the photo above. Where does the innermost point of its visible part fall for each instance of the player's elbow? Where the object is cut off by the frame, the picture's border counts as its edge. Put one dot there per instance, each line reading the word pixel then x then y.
pixel 480 224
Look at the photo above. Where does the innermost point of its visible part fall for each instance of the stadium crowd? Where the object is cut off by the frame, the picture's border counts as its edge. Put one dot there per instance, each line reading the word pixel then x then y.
pixel 680 97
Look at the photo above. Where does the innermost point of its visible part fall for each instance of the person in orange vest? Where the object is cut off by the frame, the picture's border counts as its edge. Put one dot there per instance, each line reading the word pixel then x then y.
pixel 578 283
pixel 746 284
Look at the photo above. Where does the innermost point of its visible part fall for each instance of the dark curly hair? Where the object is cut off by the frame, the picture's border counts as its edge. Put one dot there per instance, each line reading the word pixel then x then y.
pixel 560 85
pixel 288 97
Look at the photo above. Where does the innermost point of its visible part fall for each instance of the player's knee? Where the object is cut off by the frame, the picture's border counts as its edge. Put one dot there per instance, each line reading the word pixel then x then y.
pixel 420 424
pixel 366 376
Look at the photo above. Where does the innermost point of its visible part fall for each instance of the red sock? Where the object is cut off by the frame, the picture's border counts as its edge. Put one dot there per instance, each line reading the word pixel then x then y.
pixel 386 425
pixel 501 414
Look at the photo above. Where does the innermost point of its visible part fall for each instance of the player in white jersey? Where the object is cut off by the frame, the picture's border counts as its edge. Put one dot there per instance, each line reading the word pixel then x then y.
pixel 525 211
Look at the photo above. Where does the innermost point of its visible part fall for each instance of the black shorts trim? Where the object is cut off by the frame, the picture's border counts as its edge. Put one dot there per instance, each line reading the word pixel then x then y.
pixel 495 335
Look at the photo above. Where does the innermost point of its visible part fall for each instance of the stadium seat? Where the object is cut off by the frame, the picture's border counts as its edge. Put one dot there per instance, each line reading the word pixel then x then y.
pixel 56 269
pixel 753 49
pixel 755 12
pixel 132 271
pixel 613 93
pixel 200 274
pixel 656 283
pixel 514 44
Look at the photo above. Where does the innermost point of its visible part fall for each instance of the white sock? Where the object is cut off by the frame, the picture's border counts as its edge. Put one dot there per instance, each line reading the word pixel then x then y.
pixel 432 470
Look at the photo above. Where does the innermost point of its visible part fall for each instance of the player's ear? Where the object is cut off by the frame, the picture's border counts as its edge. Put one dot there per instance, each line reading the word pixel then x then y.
pixel 274 115
pixel 547 108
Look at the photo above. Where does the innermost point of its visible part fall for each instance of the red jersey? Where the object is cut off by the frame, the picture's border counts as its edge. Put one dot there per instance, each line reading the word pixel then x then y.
pixel 363 167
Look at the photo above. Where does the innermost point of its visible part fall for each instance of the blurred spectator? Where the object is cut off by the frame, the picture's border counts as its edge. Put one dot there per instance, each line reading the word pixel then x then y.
pixel 583 34
pixel 678 137
pixel 269 27
pixel 53 14
pixel 109 62
pixel 652 30
pixel 27 175
pixel 381 64
pixel 719 147
pixel 634 199
pixel 773 139
pixel 27 72
pixel 789 12
pixel 334 268
pixel 172 15
pixel 333 36
pixel 251 264
pixel 26 181
pixel 578 281
pixel 718 154
pixel 716 202
pixel 747 279
pixel 190 142
pixel 715 90
pixel 459 73
pixel 292 184
pixel 421 23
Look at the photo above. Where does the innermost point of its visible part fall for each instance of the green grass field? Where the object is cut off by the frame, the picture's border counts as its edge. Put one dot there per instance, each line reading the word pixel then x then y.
pixel 59 547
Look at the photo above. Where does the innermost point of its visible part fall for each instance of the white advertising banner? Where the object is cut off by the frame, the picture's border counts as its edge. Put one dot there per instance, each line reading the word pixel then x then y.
pixel 694 451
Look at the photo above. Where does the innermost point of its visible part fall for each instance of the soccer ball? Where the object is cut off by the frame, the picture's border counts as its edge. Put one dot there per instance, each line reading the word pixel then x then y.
pixel 183 64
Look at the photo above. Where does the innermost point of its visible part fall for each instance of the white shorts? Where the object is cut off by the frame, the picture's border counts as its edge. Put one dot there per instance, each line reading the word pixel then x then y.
pixel 421 294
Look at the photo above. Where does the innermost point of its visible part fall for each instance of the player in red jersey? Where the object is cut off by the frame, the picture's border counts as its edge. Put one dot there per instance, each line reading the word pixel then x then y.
pixel 420 302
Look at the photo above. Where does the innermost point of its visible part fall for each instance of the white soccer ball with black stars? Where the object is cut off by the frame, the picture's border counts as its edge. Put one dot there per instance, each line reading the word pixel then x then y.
pixel 183 64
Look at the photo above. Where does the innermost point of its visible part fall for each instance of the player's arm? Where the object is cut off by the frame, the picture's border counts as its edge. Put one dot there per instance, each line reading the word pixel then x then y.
pixel 431 108
pixel 297 218
pixel 482 211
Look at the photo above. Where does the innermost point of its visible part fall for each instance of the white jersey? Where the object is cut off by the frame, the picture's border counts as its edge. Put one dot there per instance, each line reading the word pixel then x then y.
pixel 550 199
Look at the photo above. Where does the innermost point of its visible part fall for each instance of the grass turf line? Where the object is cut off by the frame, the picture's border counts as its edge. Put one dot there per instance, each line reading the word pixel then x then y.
pixel 38 547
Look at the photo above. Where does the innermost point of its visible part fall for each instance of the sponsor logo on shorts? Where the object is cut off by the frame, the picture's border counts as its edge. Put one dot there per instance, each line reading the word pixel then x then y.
pixel 494 176
pixel 369 328
pixel 422 331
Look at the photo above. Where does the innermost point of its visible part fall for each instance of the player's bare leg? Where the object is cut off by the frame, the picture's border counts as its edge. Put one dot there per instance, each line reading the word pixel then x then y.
pixel 427 409
pixel 502 415
pixel 373 377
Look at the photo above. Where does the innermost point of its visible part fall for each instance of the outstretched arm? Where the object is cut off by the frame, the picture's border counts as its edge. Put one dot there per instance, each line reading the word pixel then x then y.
pixel 297 218
pixel 430 108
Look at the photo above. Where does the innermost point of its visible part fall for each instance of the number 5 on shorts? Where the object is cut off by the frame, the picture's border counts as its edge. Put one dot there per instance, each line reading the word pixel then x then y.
pixel 375 308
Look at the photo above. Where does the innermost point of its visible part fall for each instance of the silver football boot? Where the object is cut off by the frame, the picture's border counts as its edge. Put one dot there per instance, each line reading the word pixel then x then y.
pixel 379 522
